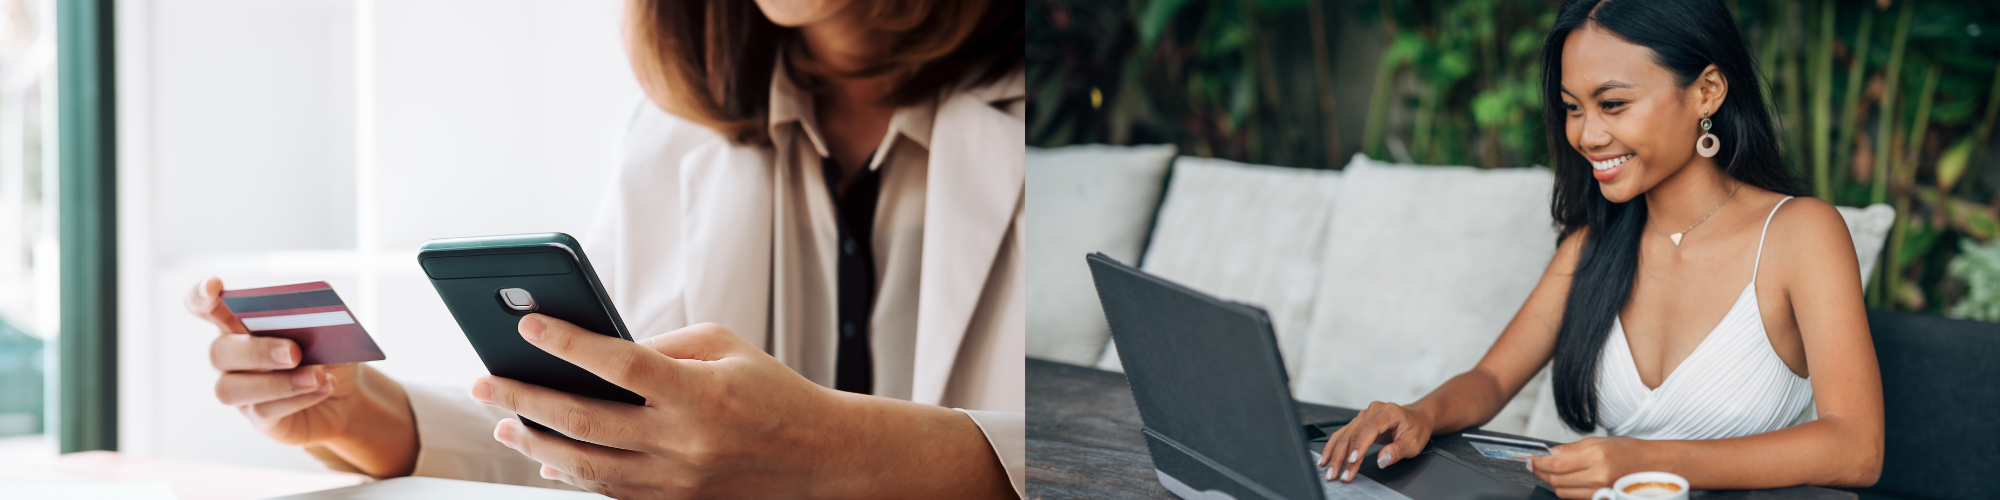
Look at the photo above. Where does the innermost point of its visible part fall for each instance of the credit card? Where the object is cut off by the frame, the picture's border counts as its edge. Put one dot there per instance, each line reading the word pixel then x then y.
pixel 1506 448
pixel 308 313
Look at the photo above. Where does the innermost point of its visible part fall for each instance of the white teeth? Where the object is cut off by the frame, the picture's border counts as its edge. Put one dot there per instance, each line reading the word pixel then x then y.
pixel 1607 164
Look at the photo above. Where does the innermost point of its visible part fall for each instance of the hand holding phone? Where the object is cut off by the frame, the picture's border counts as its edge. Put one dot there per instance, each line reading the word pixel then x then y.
pixel 489 283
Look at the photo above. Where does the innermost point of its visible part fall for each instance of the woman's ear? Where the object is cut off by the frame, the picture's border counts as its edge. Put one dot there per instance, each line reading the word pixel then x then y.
pixel 1710 89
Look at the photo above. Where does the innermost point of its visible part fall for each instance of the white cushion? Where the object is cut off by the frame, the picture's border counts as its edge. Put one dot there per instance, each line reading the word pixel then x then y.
pixel 1082 199
pixel 1868 226
pixel 1423 267
pixel 1247 233
pixel 1870 229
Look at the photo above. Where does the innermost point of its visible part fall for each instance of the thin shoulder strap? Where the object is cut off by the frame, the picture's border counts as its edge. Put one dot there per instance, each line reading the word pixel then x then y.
pixel 1760 239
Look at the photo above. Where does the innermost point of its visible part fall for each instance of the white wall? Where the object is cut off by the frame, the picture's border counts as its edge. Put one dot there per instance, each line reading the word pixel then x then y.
pixel 281 141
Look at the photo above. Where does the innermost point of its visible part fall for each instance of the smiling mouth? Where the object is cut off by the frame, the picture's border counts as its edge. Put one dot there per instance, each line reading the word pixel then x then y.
pixel 1608 164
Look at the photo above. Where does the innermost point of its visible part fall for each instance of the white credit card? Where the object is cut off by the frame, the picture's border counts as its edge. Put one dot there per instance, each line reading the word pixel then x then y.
pixel 1507 448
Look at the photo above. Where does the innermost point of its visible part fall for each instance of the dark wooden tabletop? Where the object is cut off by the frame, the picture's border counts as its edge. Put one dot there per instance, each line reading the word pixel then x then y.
pixel 1084 442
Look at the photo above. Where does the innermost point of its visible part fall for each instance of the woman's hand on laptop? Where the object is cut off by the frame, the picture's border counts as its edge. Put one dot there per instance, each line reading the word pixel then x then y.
pixel 353 410
pixel 1578 469
pixel 723 419
pixel 1402 430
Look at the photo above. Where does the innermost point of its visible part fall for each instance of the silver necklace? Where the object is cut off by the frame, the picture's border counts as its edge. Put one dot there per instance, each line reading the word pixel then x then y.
pixel 1711 212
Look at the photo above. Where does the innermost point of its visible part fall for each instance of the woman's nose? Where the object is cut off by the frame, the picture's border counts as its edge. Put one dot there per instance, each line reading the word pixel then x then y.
pixel 1594 136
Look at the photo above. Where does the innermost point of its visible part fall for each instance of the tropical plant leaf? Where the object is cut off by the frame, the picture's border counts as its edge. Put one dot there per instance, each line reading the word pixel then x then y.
pixel 1154 20
pixel 1491 107
pixel 1909 295
pixel 1974 220
pixel 1453 65
pixel 1408 46
pixel 1917 242
pixel 1229 41
pixel 1951 164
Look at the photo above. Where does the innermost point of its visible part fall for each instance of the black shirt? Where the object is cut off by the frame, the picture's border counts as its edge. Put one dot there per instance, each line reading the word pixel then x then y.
pixel 854 212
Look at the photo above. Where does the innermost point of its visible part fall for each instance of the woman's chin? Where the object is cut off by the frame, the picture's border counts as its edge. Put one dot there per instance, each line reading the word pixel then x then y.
pixel 1618 190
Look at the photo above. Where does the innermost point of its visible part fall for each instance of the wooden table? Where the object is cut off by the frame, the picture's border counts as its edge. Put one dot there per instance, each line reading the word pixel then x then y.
pixel 1084 442
pixel 190 480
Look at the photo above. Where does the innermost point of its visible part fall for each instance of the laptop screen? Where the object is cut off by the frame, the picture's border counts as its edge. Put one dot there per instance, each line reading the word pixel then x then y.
pixel 1206 374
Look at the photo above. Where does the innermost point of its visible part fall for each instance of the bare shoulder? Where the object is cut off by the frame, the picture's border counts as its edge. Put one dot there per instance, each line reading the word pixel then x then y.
pixel 1569 251
pixel 1809 233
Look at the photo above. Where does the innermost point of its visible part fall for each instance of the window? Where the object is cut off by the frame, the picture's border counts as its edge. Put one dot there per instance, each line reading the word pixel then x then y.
pixel 28 227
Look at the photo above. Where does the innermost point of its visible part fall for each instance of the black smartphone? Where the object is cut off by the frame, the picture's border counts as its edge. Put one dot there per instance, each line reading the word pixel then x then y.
pixel 490 282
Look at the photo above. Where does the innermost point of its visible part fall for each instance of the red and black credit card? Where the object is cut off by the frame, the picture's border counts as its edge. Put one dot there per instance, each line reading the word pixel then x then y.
pixel 308 313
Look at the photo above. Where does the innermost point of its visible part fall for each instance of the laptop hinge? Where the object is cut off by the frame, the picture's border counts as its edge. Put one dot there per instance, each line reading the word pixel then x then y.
pixel 1225 471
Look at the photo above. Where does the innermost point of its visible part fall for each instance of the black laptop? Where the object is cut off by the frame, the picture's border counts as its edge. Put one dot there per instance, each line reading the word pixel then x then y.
pixel 1219 417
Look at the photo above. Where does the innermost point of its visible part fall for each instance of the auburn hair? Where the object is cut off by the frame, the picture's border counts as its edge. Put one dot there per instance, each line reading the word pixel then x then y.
pixel 713 59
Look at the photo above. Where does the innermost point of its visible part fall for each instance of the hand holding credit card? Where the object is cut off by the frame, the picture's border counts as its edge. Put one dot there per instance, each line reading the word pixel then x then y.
pixel 1506 448
pixel 309 314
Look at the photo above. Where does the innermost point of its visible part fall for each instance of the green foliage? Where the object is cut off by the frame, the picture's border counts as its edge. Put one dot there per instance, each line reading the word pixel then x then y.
pixel 1978 267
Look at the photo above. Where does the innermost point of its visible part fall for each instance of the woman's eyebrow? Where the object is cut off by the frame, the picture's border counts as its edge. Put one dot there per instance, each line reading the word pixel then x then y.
pixel 1608 85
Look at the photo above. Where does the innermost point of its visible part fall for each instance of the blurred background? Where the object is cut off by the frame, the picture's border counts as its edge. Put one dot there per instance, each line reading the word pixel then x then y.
pixel 1879 101
pixel 269 142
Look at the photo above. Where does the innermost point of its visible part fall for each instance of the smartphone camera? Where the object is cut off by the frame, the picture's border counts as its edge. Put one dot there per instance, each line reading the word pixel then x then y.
pixel 517 299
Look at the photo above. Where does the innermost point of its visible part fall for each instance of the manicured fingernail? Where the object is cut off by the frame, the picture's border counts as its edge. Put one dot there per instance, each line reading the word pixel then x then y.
pixel 1383 460
pixel 504 433
pixel 282 354
pixel 1354 456
pixel 1347 475
pixel 482 392
pixel 304 378
pixel 532 328
pixel 1531 465
pixel 549 473
pixel 1329 474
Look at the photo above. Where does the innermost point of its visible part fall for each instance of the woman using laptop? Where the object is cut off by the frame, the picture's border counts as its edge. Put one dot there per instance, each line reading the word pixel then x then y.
pixel 1697 311
pixel 816 235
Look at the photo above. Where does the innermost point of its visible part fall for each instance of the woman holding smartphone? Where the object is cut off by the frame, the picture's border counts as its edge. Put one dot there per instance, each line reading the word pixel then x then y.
pixel 1697 311
pixel 815 234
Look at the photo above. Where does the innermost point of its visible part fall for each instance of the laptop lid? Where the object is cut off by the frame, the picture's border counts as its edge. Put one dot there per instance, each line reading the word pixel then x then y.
pixel 1210 386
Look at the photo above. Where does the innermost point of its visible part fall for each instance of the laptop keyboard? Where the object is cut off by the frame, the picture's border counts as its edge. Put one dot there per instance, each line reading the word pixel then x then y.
pixel 1362 488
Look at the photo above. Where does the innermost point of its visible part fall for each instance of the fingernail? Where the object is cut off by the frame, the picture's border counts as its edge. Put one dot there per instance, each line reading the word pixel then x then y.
pixel 1354 456
pixel 548 473
pixel 504 433
pixel 532 328
pixel 1531 465
pixel 328 386
pixel 304 378
pixel 1329 474
pixel 1383 460
pixel 482 392
pixel 282 354
pixel 1347 475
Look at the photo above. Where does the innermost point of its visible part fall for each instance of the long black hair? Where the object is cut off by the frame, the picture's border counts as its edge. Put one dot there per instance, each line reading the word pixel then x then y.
pixel 1686 36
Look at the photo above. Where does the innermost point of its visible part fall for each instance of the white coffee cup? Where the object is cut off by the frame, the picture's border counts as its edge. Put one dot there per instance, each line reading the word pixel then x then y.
pixel 1617 489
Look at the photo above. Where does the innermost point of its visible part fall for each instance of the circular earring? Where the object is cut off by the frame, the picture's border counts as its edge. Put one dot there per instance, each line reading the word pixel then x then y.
pixel 1708 144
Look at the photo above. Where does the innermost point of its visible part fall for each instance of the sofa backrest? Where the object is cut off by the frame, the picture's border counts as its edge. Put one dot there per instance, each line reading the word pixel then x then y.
pixel 1940 396
pixel 1247 233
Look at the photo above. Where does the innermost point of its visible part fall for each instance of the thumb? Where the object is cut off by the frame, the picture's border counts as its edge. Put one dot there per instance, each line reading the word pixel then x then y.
pixel 700 342
pixel 1406 444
